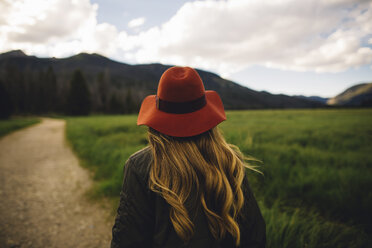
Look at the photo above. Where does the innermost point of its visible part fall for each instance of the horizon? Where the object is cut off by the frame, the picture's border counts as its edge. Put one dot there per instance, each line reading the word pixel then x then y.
pixel 267 49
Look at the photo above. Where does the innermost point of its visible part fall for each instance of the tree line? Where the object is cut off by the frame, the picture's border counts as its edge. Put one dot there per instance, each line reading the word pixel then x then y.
pixel 41 92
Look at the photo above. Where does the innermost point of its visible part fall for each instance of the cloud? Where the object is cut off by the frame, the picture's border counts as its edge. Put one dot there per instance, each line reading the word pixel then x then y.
pixel 136 22
pixel 223 36
pixel 228 36
pixel 54 28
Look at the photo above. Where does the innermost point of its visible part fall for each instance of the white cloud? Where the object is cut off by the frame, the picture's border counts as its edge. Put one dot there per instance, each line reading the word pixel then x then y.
pixel 223 36
pixel 136 22
pixel 229 36
pixel 55 28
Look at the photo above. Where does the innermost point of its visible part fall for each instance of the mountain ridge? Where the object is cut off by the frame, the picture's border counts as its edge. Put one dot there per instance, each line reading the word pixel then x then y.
pixel 139 80
pixel 355 96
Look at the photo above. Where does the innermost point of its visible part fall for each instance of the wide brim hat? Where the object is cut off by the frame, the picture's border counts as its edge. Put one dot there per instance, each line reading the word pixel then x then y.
pixel 181 107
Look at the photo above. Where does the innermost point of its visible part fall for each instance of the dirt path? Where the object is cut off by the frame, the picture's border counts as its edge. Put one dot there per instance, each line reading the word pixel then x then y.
pixel 42 186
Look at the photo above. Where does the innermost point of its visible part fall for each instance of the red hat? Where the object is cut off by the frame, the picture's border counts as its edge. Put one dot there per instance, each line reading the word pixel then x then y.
pixel 182 107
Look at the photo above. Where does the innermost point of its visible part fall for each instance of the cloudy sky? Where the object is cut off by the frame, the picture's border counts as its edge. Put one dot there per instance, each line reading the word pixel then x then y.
pixel 310 47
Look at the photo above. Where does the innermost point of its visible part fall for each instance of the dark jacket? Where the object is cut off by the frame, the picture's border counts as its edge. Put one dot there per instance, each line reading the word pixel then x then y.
pixel 143 216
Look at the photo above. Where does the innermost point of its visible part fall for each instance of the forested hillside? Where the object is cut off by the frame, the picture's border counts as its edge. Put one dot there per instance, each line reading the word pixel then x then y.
pixel 46 85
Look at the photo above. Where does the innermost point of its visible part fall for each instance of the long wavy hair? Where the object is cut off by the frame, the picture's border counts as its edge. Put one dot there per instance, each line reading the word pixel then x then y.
pixel 205 164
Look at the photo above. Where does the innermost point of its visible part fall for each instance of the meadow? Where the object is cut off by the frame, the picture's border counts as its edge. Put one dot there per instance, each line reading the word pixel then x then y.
pixel 315 190
pixel 9 125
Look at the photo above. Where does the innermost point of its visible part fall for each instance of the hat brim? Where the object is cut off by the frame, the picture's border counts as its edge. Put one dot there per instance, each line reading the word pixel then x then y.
pixel 182 125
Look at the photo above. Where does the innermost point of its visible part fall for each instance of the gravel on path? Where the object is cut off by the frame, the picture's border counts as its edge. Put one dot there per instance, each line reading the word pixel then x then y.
pixel 42 193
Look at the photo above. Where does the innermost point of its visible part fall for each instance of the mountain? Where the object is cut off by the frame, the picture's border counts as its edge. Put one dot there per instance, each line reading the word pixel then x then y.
pixel 110 82
pixel 313 98
pixel 14 53
pixel 359 95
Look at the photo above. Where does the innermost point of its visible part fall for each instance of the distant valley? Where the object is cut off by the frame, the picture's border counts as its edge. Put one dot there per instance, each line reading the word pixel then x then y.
pixel 313 98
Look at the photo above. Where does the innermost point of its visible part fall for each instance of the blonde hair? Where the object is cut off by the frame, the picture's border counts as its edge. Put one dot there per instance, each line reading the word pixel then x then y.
pixel 207 164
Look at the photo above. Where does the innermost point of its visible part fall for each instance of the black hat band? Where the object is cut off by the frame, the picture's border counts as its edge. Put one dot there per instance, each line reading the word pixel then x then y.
pixel 180 107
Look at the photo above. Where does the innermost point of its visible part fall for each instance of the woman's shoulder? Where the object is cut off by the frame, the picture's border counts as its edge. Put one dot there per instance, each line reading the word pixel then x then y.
pixel 141 155
pixel 139 162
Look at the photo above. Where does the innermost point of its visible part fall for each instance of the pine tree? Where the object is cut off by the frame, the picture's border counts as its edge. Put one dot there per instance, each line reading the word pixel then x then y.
pixel 40 93
pixel 130 105
pixel 6 106
pixel 50 90
pixel 13 81
pixel 103 88
pixel 116 107
pixel 78 99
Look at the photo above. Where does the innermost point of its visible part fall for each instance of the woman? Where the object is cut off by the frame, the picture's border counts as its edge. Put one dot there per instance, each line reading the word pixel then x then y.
pixel 188 187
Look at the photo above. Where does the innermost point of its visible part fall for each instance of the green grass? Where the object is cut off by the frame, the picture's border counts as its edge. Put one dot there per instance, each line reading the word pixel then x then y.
pixel 292 227
pixel 104 143
pixel 318 158
pixel 15 123
pixel 315 191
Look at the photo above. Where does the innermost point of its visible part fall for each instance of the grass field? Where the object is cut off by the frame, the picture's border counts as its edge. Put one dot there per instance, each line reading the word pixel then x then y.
pixel 317 164
pixel 15 123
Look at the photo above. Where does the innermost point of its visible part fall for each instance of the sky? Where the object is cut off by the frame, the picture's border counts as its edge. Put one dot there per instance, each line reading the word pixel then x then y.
pixel 307 47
